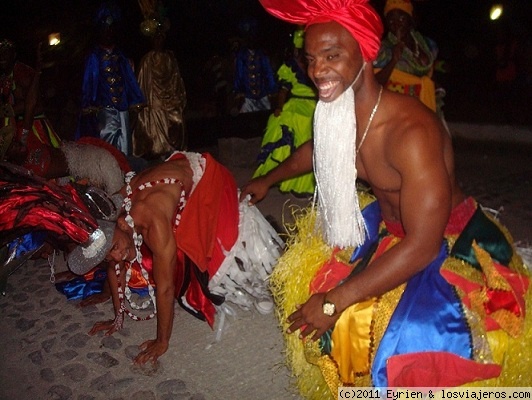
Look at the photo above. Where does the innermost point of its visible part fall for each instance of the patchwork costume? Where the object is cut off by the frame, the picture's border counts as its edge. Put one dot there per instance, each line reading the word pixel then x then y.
pixel 460 321
pixel 409 76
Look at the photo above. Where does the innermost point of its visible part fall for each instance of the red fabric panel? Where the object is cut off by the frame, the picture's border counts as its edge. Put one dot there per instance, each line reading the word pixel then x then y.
pixel 439 368
pixel 211 214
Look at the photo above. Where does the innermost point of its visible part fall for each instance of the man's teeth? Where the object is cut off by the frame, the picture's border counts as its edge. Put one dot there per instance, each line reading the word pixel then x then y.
pixel 327 85
pixel 327 89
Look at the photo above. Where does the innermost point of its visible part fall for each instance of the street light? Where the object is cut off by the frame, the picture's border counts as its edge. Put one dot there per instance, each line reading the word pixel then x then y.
pixel 496 11
pixel 54 38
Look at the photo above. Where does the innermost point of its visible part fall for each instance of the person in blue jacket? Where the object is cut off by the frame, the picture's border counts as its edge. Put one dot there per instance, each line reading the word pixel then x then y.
pixel 110 88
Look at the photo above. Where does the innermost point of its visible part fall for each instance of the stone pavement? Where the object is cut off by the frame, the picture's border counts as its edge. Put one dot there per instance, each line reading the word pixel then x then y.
pixel 47 354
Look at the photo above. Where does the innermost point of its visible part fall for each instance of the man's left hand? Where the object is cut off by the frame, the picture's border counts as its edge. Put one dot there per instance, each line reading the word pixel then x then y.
pixel 111 326
pixel 310 319
pixel 151 350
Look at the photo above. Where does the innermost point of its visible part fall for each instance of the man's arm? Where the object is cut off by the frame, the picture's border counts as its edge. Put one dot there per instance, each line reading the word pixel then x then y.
pixel 425 204
pixel 300 162
pixel 282 97
pixel 159 238
pixel 113 325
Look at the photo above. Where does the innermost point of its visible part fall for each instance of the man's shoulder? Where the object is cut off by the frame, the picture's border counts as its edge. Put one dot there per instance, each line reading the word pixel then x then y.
pixel 406 115
pixel 403 109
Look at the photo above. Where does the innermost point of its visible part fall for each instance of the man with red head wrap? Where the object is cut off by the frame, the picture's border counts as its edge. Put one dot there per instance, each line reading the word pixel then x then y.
pixel 357 16
pixel 386 296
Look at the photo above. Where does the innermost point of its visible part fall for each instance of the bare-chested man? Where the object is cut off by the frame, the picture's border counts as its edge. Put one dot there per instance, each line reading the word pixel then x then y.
pixel 400 148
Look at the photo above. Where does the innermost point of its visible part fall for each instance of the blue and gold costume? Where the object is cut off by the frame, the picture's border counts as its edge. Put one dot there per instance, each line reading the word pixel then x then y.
pixel 254 79
pixel 110 88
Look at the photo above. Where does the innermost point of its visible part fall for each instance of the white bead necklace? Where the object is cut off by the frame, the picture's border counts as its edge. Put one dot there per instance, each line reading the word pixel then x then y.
pixel 138 240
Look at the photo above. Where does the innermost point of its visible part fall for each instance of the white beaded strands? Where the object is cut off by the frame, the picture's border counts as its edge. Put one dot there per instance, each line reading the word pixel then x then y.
pixel 138 240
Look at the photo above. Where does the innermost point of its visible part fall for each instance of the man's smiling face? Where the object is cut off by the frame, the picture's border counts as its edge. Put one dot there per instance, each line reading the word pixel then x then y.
pixel 334 59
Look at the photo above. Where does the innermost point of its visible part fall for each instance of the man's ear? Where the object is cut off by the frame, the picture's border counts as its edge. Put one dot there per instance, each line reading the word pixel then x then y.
pixel 122 224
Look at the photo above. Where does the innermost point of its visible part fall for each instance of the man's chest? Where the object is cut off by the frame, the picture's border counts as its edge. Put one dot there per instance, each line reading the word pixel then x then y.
pixel 379 175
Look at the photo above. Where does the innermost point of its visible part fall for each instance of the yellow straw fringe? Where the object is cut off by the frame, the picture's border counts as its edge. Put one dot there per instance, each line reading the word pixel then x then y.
pixel 290 286
pixel 289 283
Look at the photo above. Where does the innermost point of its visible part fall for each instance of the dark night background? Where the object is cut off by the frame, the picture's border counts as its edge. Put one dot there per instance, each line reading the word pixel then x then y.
pixel 201 28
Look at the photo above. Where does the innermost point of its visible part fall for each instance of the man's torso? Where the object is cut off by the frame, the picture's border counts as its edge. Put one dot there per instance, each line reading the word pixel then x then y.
pixel 375 162
pixel 160 197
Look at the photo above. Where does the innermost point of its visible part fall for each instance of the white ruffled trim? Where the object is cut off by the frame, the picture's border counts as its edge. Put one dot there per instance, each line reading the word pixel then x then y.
pixel 243 276
pixel 197 163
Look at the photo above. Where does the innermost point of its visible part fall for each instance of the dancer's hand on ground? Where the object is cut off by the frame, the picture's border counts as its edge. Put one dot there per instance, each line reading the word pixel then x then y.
pixel 151 350
pixel 310 319
pixel 111 326
pixel 257 189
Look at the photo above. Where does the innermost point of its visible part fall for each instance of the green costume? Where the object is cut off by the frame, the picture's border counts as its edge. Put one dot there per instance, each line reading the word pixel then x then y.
pixel 293 127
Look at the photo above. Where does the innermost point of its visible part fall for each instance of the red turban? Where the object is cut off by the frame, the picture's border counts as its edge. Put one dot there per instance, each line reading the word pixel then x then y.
pixel 357 16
